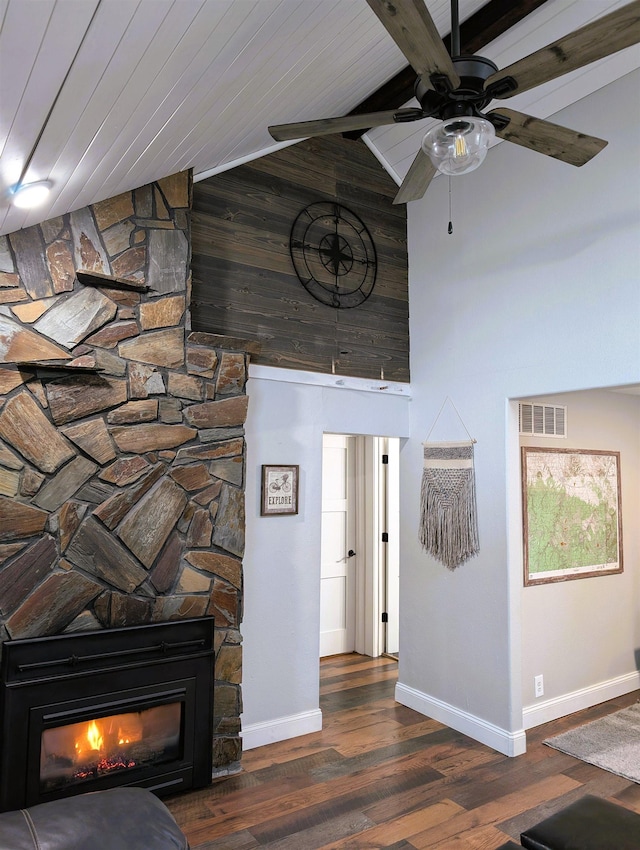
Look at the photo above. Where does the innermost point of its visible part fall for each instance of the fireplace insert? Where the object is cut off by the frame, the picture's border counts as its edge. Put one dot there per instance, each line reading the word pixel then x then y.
pixel 92 710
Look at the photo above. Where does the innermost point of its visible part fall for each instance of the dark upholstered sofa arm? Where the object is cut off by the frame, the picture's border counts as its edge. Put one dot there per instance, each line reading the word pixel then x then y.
pixel 118 819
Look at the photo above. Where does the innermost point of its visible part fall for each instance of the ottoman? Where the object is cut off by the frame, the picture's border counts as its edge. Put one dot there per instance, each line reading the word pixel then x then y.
pixel 590 823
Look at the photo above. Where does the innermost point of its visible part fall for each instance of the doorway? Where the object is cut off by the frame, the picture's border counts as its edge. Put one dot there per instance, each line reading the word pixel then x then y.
pixel 359 587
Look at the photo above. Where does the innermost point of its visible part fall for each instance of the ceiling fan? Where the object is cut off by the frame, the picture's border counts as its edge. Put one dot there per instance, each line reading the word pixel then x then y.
pixel 457 89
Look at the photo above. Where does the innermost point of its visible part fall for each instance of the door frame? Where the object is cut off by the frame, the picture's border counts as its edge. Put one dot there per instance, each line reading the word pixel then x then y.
pixel 376 501
pixel 390 579
pixel 368 610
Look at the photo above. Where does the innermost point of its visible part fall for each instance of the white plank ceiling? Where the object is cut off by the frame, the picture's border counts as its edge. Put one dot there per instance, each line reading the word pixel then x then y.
pixel 101 96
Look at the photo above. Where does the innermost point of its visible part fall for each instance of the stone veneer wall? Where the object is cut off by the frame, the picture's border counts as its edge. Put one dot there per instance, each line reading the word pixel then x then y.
pixel 121 435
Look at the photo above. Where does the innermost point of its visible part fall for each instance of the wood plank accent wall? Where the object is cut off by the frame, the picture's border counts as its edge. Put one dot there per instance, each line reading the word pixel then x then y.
pixel 244 282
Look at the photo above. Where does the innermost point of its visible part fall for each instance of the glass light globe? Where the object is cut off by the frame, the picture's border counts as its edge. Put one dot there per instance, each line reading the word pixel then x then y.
pixel 29 195
pixel 458 145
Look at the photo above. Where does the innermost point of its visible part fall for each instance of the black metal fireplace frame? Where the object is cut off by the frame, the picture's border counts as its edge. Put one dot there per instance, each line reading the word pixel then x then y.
pixel 52 681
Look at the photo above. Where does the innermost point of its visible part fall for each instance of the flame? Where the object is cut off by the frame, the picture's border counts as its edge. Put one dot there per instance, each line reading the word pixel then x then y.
pixel 94 736
pixel 98 736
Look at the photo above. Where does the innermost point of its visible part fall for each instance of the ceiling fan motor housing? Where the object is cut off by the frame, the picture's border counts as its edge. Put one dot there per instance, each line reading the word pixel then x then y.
pixel 468 99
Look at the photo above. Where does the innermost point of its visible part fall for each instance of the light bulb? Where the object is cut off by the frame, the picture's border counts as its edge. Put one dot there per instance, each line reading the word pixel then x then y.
pixel 460 148
pixel 458 145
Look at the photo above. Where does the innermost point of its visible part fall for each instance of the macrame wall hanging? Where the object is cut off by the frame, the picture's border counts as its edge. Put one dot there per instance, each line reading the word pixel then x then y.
pixel 448 513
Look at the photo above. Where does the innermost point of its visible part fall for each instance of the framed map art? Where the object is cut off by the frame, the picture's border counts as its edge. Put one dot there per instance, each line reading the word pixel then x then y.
pixel 572 520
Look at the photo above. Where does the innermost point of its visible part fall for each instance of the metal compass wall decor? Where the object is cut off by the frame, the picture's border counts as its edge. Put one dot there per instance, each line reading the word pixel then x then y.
pixel 333 255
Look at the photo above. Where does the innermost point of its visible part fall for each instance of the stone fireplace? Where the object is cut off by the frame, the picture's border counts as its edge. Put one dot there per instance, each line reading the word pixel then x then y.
pixel 121 436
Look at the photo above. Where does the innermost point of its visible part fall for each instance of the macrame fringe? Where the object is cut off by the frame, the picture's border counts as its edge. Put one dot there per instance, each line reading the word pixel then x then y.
pixel 448 513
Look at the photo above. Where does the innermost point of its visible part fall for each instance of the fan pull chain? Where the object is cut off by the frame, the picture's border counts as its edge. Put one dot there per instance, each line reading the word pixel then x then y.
pixel 450 228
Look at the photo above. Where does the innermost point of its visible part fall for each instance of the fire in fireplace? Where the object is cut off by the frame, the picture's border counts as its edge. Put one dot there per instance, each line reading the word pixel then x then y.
pixel 87 711
pixel 77 752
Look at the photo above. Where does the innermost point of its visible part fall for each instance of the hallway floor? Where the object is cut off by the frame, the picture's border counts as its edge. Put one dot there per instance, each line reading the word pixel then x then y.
pixel 380 775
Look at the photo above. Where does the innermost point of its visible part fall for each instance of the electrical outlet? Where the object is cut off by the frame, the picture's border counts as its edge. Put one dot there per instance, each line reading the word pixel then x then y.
pixel 538 684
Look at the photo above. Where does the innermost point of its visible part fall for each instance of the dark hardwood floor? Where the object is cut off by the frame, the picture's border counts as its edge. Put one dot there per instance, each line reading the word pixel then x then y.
pixel 380 775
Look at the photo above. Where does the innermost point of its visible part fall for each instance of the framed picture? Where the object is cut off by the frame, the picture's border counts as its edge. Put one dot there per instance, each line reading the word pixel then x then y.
pixel 572 519
pixel 279 490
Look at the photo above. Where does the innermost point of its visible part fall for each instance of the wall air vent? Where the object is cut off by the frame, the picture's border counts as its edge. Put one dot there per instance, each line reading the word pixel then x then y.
pixel 542 420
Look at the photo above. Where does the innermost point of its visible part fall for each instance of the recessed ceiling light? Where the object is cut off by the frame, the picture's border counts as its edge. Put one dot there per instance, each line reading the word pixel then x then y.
pixel 29 195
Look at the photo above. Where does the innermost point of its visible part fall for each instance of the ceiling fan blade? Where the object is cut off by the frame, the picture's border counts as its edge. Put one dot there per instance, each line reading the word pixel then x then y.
pixel 326 126
pixel 607 35
pixel 417 181
pixel 545 137
pixel 410 25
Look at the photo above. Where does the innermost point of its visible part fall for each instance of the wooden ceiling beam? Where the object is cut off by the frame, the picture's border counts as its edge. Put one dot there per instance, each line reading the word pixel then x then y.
pixel 492 20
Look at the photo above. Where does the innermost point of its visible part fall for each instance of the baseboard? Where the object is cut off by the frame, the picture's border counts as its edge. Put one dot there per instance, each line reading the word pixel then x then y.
pixel 551 709
pixel 508 743
pixel 281 729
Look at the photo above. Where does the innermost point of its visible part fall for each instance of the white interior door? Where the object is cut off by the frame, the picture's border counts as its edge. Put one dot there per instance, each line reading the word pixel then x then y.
pixel 338 570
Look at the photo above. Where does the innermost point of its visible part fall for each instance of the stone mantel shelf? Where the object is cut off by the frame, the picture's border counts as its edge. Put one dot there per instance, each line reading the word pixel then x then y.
pixel 91 278
pixel 51 366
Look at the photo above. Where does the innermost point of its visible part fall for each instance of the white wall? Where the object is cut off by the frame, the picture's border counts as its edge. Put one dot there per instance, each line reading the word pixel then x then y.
pixel 536 291
pixel 591 626
pixel 281 624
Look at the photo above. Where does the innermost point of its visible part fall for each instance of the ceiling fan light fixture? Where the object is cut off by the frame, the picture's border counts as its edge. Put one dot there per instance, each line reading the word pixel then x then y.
pixel 458 145
pixel 26 196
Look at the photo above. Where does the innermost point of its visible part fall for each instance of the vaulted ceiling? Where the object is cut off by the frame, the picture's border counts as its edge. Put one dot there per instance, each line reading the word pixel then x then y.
pixel 101 96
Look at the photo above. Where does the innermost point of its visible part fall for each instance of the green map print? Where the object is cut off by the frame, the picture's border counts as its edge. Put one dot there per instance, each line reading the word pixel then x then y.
pixel 572 507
